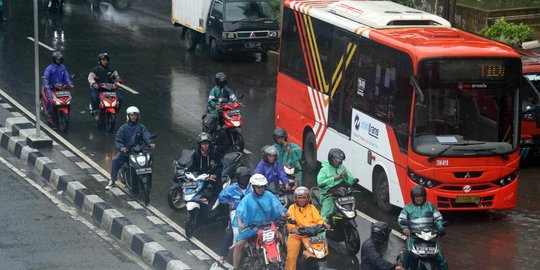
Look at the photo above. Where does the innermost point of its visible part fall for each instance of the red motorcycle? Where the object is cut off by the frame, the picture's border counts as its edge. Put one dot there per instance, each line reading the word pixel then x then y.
pixel 60 103
pixel 268 250
pixel 228 126
pixel 108 106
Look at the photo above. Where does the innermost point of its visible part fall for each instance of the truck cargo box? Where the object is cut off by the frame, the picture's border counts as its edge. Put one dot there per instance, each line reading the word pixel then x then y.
pixel 191 13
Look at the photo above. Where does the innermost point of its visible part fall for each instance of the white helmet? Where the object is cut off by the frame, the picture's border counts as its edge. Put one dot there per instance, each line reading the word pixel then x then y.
pixel 132 109
pixel 258 180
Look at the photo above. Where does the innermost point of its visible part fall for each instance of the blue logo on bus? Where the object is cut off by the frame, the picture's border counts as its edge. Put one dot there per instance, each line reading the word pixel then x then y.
pixel 372 130
pixel 357 122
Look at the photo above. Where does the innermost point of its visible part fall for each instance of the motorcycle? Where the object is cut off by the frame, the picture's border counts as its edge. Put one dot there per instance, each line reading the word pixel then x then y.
pixel 108 106
pixel 228 127
pixel 342 220
pixel 424 253
pixel 268 250
pixel 314 248
pixel 284 196
pixel 198 197
pixel 137 174
pixel 60 103
pixel 180 166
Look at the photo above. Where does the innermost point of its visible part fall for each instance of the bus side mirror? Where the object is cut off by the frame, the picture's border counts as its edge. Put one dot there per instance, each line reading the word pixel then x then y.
pixel 420 115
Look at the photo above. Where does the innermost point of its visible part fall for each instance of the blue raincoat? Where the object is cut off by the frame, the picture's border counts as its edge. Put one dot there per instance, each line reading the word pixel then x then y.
pixel 233 194
pixel 254 209
pixel 274 172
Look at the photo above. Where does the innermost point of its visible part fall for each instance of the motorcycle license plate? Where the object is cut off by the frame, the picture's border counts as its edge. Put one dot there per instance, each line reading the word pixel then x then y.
pixel 345 200
pixel 467 199
pixel 109 94
pixel 425 249
pixel 268 236
pixel 252 45
pixel 233 112
pixel 189 185
pixel 316 239
pixel 62 93
pixel 143 170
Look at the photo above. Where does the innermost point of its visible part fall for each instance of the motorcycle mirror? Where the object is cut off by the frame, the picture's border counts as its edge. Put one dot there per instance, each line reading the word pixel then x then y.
pixel 174 163
pixel 153 136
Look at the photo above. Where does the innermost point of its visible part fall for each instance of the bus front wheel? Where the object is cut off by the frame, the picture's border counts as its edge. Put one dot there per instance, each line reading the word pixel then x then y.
pixel 310 152
pixel 382 192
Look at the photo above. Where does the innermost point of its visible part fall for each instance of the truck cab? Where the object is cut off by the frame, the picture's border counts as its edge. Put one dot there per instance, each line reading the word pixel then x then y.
pixel 241 26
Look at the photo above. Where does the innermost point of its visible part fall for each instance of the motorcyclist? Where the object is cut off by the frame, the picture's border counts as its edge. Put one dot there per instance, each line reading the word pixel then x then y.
pixel 232 196
pixel 271 168
pixel 128 135
pixel 371 254
pixel 221 92
pixel 305 214
pixel 55 73
pixel 332 173
pixel 288 152
pixel 417 215
pixel 257 207
pixel 205 158
pixel 102 73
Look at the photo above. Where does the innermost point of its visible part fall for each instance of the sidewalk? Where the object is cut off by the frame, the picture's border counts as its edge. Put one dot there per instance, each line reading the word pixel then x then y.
pixel 138 228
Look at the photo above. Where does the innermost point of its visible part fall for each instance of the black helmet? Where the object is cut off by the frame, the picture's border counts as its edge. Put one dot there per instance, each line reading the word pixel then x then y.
pixel 418 191
pixel 380 231
pixel 280 132
pixel 268 150
pixel 242 175
pixel 103 56
pixel 57 56
pixel 204 137
pixel 336 153
pixel 221 79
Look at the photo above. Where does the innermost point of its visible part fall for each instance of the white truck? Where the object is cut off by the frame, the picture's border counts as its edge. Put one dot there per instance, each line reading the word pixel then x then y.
pixel 227 26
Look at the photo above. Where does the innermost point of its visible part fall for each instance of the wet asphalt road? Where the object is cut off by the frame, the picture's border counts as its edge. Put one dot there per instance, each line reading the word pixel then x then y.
pixel 173 84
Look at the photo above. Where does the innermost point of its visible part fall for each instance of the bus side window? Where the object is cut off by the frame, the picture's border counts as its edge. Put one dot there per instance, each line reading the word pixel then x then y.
pixel 291 60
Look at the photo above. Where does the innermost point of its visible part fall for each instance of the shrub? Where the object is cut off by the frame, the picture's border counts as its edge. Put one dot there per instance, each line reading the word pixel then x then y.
pixel 509 33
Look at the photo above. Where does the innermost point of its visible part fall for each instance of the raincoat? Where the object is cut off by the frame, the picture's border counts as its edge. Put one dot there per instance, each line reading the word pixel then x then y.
pixel 253 209
pixel 291 154
pixel 273 172
pixel 233 194
pixel 326 178
pixel 56 74
pixel 221 94
pixel 304 216
pixel 421 216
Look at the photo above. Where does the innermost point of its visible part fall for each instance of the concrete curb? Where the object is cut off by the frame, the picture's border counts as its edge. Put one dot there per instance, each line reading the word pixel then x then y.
pixel 109 219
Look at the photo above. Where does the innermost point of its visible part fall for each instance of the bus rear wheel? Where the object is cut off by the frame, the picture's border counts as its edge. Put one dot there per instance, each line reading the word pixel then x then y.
pixel 382 192
pixel 310 152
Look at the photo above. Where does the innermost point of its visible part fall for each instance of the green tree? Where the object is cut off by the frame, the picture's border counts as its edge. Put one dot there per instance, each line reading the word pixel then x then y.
pixel 509 33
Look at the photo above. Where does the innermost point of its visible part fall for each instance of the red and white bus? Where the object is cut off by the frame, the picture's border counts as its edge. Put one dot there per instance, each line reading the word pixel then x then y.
pixel 408 98
pixel 530 102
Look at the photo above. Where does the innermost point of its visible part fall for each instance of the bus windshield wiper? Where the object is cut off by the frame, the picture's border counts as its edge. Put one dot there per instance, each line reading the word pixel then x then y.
pixel 491 150
pixel 436 155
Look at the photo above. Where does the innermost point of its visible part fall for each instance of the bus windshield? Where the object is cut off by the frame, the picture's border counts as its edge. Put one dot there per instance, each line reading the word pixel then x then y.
pixel 465 108
pixel 531 92
pixel 248 11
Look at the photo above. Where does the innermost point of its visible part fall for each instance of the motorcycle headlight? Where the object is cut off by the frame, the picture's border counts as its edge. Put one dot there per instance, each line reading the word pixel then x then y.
pixel 113 104
pixel 141 160
pixel 133 159
pixel 105 103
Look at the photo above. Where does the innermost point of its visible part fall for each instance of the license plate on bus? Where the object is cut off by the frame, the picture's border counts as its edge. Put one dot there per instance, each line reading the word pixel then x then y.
pixel 189 185
pixel 252 45
pixel 467 199
pixel 143 170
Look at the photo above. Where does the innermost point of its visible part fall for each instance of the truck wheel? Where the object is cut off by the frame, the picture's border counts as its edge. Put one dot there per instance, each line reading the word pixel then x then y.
pixel 191 39
pixel 214 51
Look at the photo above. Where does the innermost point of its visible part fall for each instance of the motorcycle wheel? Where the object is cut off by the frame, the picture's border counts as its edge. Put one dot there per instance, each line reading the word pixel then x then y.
pixel 63 121
pixel 145 191
pixel 110 122
pixel 191 221
pixel 352 240
pixel 175 199
pixel 237 142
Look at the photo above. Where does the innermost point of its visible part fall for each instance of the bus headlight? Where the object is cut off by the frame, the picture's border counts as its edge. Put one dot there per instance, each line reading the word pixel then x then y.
pixel 526 141
pixel 506 180
pixel 422 180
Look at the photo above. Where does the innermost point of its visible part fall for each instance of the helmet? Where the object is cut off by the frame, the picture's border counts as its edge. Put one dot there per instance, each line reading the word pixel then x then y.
pixel 268 150
pixel 221 79
pixel 132 109
pixel 57 56
pixel 336 153
pixel 280 132
pixel 258 180
pixel 204 137
pixel 240 174
pixel 300 191
pixel 380 231
pixel 103 56
pixel 418 191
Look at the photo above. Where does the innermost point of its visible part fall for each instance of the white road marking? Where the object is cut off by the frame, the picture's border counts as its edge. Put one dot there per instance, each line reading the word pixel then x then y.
pixel 67 153
pixel 42 44
pixel 6 105
pixel 117 191
pixel 100 178
pixel 127 88
pixel 372 220
pixel 135 205
pixel 200 254
pixel 177 236
pixel 82 165
pixel 155 220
